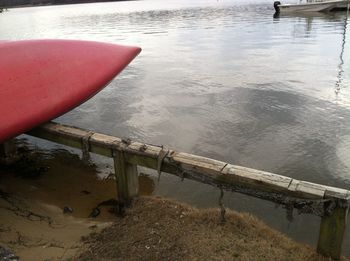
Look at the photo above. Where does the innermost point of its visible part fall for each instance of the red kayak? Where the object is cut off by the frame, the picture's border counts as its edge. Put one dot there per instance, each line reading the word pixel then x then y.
pixel 43 79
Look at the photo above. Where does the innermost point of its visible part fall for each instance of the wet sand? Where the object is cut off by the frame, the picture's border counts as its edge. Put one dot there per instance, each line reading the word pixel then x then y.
pixel 33 230
pixel 34 193
pixel 33 196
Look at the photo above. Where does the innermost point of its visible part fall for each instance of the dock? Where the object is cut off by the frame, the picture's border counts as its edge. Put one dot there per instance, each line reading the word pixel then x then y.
pixel 329 203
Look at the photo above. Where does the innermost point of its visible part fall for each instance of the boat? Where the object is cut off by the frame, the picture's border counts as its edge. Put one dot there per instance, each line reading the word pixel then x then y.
pixel 43 79
pixel 312 6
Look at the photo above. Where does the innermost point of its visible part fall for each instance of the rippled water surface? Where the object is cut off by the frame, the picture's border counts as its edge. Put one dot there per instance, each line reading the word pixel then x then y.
pixel 222 79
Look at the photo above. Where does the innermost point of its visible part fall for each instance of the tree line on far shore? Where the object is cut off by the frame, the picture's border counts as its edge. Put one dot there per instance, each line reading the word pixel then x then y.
pixel 12 3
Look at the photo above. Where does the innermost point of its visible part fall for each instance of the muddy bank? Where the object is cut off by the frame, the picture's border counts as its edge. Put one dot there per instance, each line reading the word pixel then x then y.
pixel 153 229
pixel 160 229
pixel 35 193
pixel 33 230
pixel 46 199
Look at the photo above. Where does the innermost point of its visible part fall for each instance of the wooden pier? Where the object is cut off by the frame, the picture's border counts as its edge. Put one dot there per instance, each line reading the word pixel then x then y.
pixel 330 203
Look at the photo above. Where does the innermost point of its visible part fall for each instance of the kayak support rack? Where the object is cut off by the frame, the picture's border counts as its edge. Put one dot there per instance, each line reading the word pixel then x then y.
pixel 330 203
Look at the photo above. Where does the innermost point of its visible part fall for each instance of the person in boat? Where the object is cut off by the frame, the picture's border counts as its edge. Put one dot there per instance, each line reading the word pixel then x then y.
pixel 276 6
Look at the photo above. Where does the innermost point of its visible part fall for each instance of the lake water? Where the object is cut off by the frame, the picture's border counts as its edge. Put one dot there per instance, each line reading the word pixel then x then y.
pixel 221 79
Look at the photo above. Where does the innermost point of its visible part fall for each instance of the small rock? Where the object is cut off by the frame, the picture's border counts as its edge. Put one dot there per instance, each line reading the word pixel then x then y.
pixel 6 254
pixel 94 213
pixel 67 210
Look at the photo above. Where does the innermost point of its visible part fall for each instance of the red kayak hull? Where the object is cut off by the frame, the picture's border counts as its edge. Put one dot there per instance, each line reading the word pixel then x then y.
pixel 43 79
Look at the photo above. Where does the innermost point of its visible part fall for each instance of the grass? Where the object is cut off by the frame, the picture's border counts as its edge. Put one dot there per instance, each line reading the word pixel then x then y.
pixel 160 229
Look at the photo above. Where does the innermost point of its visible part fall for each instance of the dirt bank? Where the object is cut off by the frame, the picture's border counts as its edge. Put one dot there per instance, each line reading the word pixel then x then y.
pixel 159 229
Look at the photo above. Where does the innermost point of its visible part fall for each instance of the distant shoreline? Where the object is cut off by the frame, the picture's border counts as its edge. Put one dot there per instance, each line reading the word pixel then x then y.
pixel 57 2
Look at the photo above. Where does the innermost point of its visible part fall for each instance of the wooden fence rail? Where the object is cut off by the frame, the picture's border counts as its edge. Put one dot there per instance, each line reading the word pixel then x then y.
pixel 332 204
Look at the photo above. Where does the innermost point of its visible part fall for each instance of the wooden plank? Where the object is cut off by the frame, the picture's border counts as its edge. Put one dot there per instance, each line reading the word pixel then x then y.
pixel 256 179
pixel 307 190
pixel 337 193
pixel 190 162
pixel 61 134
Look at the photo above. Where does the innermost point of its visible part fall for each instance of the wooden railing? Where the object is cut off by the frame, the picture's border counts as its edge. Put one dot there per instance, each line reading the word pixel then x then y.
pixel 332 204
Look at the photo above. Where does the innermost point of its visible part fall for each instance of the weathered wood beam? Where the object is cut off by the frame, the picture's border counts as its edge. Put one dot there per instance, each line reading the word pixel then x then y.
pixel 179 163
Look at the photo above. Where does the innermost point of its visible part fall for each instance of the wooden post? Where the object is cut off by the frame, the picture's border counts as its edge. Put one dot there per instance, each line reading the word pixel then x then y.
pixel 126 178
pixel 332 231
pixel 8 152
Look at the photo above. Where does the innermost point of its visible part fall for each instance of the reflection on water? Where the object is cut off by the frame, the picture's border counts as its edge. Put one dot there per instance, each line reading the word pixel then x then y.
pixel 223 79
pixel 338 84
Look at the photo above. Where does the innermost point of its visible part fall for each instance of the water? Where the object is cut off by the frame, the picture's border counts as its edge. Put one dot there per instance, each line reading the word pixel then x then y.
pixel 222 79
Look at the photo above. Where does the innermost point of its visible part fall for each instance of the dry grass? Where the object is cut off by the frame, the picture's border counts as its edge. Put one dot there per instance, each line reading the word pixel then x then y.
pixel 159 229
